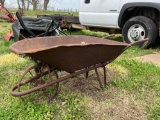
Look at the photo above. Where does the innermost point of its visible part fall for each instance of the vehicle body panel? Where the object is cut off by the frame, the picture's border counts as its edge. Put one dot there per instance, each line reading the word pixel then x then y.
pixel 106 13
pixel 102 13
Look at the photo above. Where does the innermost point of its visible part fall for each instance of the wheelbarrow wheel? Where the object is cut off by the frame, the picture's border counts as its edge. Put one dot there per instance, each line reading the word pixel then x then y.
pixel 31 82
pixel 139 28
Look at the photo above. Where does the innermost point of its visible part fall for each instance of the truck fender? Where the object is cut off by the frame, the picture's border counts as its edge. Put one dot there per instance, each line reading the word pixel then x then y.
pixel 135 4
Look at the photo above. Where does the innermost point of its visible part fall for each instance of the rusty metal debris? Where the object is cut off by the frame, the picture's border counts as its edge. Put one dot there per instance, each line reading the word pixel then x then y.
pixel 73 54
pixel 5 18
pixel 7 13
pixel 67 21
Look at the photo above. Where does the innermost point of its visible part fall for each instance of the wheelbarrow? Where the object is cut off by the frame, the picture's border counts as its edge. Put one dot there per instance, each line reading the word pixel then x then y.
pixel 74 54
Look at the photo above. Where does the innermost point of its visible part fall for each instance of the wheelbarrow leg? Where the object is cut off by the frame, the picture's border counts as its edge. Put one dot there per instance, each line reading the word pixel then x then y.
pixel 98 78
pixel 87 73
pixel 105 77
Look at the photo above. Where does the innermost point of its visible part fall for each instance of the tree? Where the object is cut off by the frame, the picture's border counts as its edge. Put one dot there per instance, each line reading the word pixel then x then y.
pixel 19 6
pixel 28 3
pixel 34 3
pixel 45 4
pixel 23 4
pixel 2 1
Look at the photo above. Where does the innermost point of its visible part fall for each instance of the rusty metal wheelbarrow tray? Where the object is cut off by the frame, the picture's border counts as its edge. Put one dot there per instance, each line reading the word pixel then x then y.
pixel 73 54
pixel 70 53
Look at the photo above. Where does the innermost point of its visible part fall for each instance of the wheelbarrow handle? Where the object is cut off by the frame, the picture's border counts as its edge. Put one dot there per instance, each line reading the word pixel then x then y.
pixel 138 42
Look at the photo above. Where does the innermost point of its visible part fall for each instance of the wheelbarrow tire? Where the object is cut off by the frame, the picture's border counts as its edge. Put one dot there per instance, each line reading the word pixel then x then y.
pixel 138 28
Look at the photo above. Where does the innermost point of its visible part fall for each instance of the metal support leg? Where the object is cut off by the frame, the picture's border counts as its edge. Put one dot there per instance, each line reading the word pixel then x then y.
pixel 98 78
pixel 105 77
pixel 87 74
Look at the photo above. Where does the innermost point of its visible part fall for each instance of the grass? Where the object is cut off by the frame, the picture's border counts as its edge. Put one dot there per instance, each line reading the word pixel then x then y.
pixel 134 92
pixel 5 28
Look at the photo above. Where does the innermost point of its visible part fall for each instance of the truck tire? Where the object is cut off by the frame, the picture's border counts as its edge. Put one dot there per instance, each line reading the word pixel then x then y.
pixel 139 28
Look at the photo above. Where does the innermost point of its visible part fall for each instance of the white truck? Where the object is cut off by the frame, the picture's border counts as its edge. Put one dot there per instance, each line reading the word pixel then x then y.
pixel 138 19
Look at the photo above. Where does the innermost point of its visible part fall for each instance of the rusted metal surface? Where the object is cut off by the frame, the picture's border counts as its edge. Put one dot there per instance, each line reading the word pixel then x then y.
pixel 70 53
pixel 4 17
pixel 67 21
pixel 72 19
pixel 102 29
pixel 8 36
pixel 7 13
pixel 8 17
pixel 47 84
pixel 73 54
pixel 77 26
pixel 66 18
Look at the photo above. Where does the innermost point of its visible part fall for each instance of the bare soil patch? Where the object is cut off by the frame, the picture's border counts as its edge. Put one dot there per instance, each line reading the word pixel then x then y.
pixel 109 103
pixel 151 58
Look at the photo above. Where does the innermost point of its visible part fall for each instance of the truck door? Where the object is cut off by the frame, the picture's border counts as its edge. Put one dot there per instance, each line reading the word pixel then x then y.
pixel 102 13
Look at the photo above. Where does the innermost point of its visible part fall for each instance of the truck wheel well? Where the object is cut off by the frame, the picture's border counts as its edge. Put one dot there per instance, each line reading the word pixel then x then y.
pixel 149 12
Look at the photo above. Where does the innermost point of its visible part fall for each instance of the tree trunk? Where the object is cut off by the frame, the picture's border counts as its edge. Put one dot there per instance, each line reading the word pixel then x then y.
pixel 45 4
pixel 23 4
pixel 28 3
pixel 2 1
pixel 34 3
pixel 19 6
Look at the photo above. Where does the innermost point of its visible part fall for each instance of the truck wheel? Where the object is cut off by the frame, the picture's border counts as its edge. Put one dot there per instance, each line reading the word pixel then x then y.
pixel 139 28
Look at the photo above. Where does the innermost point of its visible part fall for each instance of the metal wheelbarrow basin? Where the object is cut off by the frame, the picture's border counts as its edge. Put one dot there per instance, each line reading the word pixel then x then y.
pixel 73 54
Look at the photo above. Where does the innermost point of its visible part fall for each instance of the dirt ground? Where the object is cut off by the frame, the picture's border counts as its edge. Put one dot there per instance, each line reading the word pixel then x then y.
pixel 152 58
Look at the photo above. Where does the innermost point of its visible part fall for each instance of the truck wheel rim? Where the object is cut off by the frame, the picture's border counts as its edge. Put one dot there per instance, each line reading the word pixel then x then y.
pixel 136 32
